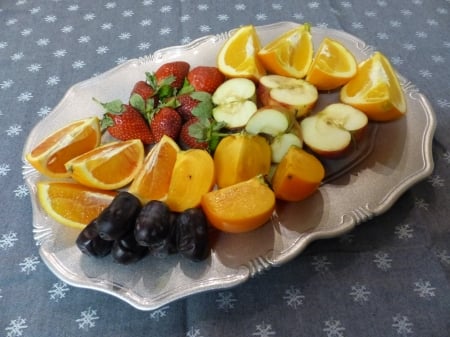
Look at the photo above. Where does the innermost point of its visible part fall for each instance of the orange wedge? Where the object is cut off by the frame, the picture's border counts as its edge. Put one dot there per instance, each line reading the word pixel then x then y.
pixel 50 155
pixel 153 180
pixel 108 167
pixel 375 90
pixel 290 54
pixel 72 204
pixel 333 66
pixel 238 55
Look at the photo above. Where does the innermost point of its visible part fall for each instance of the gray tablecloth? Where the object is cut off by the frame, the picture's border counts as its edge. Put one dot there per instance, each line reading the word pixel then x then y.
pixel 388 277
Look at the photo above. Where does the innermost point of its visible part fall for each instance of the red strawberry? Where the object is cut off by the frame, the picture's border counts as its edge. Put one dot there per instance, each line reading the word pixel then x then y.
pixel 166 121
pixel 172 73
pixel 204 78
pixel 194 104
pixel 143 98
pixel 124 122
pixel 143 89
pixel 187 137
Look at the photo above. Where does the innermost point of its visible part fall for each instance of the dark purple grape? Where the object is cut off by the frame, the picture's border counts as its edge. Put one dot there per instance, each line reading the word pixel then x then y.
pixel 90 242
pixel 126 250
pixel 153 224
pixel 191 231
pixel 119 217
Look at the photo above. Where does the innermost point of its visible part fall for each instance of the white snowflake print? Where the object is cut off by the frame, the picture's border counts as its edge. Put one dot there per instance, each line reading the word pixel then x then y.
pixel 145 22
pixel 443 256
pixel 147 2
pixel 121 60
pixel 293 297
pixel 50 18
pixel 11 22
pixel 421 204
pixel 240 7
pixel 438 58
pixel 204 28
pixel 84 39
pixel 67 29
pixel 298 16
pixel 264 330
pixel 277 6
pixel 24 96
pixel 425 73
pixel 441 10
pixel 193 332
pixel 87 319
pixel 73 8
pixel 334 328
pixel 360 293
pixel 446 157
pixel 17 56
pixel 60 53
pixel 261 16
pixel 58 291
pixel 102 50
pixel 404 231
pixel 381 3
pixel 432 22
pixel 52 81
pixel 321 263
pixel 29 264
pixel 424 289
pixel 3 44
pixel 42 42
pixel 26 32
pixel 110 5
pixel 4 169
pixel 406 12
pixel 203 7
pixel 34 68
pixel 21 191
pixel 16 327
pixel 222 17
pixel 14 130
pixel 421 35
pixel 383 261
pixel 443 103
pixel 395 23
pixel 78 64
pixel 159 313
pixel 44 111
pixel 225 300
pixel 357 25
pixel 89 17
pixel 314 5
pixel 6 84
pixel 127 13
pixel 106 26
pixel 124 36
pixel 165 31
pixel 402 325
pixel 165 9
pixel 185 40
pixel 370 14
pixel 8 240
pixel 35 10
pixel 409 46
pixel 185 18
pixel 144 45
pixel 436 181
pixel 383 36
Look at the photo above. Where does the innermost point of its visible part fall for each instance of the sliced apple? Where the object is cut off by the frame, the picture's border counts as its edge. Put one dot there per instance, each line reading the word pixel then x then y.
pixel 269 120
pixel 281 144
pixel 294 94
pixel 330 132
pixel 235 101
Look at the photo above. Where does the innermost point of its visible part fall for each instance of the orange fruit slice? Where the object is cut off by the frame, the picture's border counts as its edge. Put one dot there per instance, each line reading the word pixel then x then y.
pixel 332 66
pixel 192 176
pixel 72 204
pixel 375 90
pixel 297 176
pixel 238 55
pixel 50 155
pixel 290 54
pixel 109 166
pixel 241 207
pixel 153 180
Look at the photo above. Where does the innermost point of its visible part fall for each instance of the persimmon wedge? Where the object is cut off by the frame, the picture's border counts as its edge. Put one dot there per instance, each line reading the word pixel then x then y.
pixel 297 176
pixel 241 207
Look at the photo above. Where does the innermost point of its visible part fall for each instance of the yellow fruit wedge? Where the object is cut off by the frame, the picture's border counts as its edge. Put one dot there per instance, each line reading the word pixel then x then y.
pixel 238 55
pixel 74 139
pixel 290 54
pixel 108 167
pixel 72 204
pixel 375 90
pixel 153 180
pixel 333 66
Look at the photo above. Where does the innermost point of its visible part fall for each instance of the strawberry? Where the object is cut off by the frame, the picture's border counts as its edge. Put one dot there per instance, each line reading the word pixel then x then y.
pixel 143 97
pixel 191 104
pixel 124 122
pixel 144 90
pixel 204 78
pixel 187 138
pixel 172 73
pixel 165 121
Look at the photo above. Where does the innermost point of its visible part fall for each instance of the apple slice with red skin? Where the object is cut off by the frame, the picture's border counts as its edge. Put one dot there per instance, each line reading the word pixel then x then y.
pixel 294 94
pixel 331 132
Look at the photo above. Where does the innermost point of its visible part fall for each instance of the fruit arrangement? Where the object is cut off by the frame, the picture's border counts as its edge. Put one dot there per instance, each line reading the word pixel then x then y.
pixel 211 145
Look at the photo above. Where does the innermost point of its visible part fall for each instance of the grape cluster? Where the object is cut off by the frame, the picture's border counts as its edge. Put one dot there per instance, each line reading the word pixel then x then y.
pixel 129 231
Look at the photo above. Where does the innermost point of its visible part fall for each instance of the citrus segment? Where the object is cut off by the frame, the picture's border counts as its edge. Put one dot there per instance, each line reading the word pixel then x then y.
pixel 110 166
pixel 72 204
pixel 152 181
pixel 192 176
pixel 241 207
pixel 290 54
pixel 297 176
pixel 333 65
pixel 51 154
pixel 238 55
pixel 375 90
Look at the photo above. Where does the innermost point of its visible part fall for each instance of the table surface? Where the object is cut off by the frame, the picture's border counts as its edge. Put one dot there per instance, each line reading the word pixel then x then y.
pixel 390 276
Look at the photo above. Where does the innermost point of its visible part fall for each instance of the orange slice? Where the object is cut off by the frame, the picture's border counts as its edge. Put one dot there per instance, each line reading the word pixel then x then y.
pixel 290 54
pixel 110 166
pixel 72 204
pixel 238 55
pixel 153 180
pixel 375 90
pixel 50 155
pixel 333 65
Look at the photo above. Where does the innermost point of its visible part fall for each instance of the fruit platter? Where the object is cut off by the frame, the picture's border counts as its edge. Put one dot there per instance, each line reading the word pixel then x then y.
pixel 358 155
